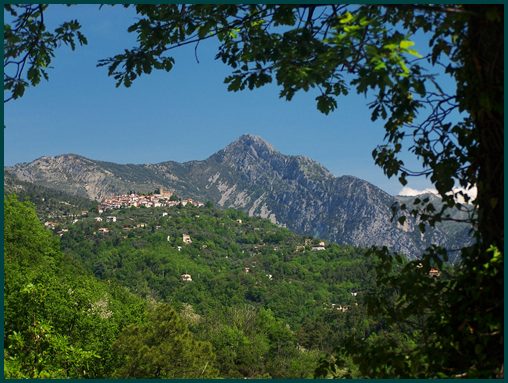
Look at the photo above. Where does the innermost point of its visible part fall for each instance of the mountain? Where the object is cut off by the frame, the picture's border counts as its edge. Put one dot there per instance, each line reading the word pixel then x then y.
pixel 250 175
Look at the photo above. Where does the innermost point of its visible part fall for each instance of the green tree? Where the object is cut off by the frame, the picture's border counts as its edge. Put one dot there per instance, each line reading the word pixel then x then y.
pixel 60 322
pixel 163 347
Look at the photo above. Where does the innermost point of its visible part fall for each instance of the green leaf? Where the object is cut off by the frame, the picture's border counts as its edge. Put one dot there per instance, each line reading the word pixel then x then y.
pixel 348 17
pixel 405 44
pixel 415 53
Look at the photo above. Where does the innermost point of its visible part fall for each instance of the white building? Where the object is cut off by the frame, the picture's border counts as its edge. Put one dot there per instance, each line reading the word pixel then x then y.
pixel 186 278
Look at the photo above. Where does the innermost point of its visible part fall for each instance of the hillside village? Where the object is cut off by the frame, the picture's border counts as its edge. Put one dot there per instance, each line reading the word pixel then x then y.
pixel 161 199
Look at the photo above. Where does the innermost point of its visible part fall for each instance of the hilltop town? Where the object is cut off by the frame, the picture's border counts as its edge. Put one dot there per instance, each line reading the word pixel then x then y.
pixel 161 198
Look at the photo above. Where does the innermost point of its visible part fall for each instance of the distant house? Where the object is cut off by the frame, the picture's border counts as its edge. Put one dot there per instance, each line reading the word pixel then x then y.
pixel 111 218
pixel 433 272
pixel 50 224
pixel 340 308
pixel 164 214
pixel 103 230
pixel 186 239
pixel 318 248
pixel 239 221
pixel 98 219
pixel 186 278
pixel 61 232
pixel 246 269
pixel 270 276
pixel 179 248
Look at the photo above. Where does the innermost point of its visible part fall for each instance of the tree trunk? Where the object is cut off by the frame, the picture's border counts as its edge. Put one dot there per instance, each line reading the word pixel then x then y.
pixel 484 99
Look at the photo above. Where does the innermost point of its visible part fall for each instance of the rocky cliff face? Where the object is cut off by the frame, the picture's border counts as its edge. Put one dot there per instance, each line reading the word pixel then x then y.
pixel 251 175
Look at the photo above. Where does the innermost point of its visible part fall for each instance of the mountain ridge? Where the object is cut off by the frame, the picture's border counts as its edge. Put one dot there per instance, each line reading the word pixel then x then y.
pixel 249 174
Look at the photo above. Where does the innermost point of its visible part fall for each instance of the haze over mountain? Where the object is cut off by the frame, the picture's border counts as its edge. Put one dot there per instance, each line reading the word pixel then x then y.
pixel 250 175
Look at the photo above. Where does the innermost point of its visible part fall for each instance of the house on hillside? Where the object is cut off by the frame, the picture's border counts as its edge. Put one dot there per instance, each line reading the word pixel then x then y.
pixel 186 278
pixel 61 232
pixel 319 247
pixel 50 224
pixel 340 308
pixel 186 239
pixel 433 272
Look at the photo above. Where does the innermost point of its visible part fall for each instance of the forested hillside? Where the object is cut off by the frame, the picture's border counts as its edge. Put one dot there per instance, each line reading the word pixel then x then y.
pixel 260 302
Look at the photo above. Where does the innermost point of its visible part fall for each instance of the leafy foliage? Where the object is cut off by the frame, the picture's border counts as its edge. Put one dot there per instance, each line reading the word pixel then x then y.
pixel 27 43
pixel 145 349
pixel 59 321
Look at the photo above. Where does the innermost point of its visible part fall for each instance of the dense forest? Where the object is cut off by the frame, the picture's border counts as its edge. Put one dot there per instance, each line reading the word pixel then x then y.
pixel 110 298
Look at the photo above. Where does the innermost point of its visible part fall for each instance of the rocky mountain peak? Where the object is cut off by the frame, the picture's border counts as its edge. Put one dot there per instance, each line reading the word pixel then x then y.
pixel 251 145
pixel 250 140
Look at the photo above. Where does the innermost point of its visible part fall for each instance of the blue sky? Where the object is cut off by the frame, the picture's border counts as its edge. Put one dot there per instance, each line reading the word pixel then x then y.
pixel 183 115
